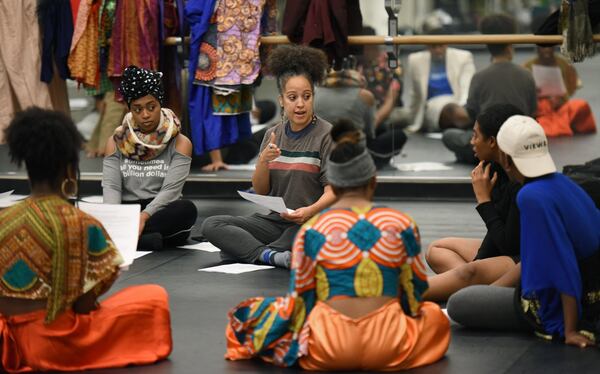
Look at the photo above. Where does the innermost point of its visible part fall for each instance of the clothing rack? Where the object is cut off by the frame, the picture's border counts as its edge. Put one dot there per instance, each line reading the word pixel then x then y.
pixel 422 39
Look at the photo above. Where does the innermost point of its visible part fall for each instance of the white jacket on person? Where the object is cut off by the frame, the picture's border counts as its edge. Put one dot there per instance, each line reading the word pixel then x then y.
pixel 459 70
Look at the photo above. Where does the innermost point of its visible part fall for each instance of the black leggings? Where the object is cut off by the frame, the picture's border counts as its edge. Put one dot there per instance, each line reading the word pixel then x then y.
pixel 387 143
pixel 174 222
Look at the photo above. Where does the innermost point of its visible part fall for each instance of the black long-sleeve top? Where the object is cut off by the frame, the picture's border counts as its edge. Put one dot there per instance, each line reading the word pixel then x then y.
pixel 501 217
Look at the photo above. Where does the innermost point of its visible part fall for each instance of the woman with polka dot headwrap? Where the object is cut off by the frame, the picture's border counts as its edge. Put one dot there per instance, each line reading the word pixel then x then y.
pixel 147 162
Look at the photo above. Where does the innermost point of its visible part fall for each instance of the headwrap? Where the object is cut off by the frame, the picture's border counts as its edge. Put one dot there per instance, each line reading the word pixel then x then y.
pixel 355 172
pixel 139 82
pixel 137 145
pixel 345 78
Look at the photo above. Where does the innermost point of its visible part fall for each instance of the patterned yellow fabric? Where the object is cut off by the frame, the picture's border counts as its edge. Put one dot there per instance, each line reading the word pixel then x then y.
pixel 51 250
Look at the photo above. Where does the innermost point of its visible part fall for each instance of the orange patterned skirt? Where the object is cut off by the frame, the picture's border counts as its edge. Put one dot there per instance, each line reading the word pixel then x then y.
pixel 383 340
pixel 132 327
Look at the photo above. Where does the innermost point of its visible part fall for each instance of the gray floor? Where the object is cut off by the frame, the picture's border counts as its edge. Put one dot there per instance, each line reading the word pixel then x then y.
pixel 200 301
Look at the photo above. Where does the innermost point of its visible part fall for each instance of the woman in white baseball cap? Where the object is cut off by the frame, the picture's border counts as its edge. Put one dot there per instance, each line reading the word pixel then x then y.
pixel 557 295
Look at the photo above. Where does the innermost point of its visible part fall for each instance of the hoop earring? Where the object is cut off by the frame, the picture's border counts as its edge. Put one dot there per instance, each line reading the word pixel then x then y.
pixel 72 194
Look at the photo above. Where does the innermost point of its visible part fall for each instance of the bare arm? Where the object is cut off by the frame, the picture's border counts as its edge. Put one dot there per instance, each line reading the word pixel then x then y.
pixel 386 108
pixel 261 178
pixel 303 214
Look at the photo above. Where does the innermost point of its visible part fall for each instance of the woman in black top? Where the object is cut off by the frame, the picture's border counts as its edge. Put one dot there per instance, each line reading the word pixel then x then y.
pixel 460 262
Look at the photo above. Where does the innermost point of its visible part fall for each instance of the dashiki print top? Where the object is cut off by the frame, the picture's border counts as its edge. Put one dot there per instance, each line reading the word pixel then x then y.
pixel 51 250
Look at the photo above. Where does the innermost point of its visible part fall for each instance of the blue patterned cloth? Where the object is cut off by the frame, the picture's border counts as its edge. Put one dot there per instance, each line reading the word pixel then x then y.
pixel 208 132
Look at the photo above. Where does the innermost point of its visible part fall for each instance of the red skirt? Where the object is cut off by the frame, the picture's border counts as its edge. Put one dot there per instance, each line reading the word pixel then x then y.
pixel 574 116
pixel 132 327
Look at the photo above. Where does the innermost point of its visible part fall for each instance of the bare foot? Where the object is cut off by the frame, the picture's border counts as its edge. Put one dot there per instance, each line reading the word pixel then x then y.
pixel 215 166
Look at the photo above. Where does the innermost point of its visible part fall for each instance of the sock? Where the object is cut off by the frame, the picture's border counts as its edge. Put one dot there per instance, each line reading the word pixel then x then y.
pixel 275 258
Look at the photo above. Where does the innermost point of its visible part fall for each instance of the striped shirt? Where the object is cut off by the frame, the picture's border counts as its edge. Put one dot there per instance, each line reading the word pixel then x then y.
pixel 298 175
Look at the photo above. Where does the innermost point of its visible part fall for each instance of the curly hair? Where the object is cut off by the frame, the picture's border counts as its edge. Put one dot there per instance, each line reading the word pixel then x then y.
pixel 288 61
pixel 46 141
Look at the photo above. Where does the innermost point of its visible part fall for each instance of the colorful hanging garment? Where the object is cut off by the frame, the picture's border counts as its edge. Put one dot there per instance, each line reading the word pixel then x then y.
pixel 107 18
pixel 208 132
pixel 83 60
pixel 135 37
pixel 56 21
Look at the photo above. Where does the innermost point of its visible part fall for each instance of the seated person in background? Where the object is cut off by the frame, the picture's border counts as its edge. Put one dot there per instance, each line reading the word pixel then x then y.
pixel 556 111
pixel 354 301
pixel 460 262
pixel 56 261
pixel 147 162
pixel 343 95
pixel 560 250
pixel 502 82
pixel 111 116
pixel 291 164
pixel 384 83
pixel 438 76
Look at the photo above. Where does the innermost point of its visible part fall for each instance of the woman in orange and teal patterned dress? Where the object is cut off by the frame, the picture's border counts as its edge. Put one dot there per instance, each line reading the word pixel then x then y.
pixel 356 284
pixel 56 261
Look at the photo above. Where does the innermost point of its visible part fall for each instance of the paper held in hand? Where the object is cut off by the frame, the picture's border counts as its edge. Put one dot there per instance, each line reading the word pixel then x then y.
pixel 274 203
pixel 122 224
pixel 549 80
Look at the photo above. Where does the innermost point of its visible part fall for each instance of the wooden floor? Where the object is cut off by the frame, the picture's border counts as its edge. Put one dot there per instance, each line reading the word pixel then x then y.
pixel 200 301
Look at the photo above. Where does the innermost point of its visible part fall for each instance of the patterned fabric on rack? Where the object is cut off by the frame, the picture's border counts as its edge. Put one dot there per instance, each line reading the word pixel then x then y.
pixel 107 18
pixel 233 103
pixel 338 253
pixel 234 34
pixel 51 250
pixel 135 37
pixel 83 59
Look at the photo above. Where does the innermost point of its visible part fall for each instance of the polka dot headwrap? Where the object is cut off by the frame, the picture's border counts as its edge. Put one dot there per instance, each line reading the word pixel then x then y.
pixel 139 82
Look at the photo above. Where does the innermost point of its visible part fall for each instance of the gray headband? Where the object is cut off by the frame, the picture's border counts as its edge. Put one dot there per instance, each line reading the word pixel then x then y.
pixel 352 173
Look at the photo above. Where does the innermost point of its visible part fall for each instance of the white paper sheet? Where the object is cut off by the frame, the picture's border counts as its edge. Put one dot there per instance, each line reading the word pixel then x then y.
pixel 6 194
pixel 246 167
pixel 434 135
pixel 139 254
pixel 8 199
pixel 236 268
pixel 204 246
pixel 422 166
pixel 121 221
pixel 96 199
pixel 548 79
pixel 274 203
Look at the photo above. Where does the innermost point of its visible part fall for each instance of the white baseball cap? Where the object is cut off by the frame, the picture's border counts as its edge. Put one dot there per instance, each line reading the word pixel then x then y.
pixel 524 140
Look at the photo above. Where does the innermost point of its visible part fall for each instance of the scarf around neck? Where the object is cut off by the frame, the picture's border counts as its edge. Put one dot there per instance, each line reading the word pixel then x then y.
pixel 137 145
pixel 345 78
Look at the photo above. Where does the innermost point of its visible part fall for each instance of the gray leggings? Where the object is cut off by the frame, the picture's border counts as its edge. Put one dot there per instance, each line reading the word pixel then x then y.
pixel 486 307
pixel 244 238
